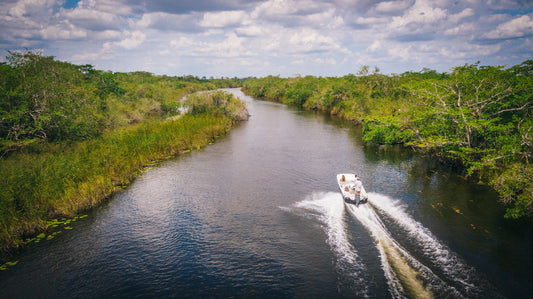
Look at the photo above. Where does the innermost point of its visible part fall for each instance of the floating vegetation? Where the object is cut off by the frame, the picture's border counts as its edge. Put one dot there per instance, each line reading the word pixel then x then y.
pixel 7 265
pixel 55 225
pixel 53 228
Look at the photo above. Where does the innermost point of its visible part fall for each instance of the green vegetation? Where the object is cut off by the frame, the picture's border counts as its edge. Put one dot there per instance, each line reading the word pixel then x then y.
pixel 71 136
pixel 479 117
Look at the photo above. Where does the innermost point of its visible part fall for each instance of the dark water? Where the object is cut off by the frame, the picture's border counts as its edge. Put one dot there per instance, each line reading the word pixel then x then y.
pixel 257 214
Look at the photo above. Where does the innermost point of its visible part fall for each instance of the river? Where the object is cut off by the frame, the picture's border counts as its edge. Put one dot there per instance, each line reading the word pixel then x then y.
pixel 258 214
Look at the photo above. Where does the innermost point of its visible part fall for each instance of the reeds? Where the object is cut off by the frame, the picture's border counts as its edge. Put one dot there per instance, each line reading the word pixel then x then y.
pixel 62 180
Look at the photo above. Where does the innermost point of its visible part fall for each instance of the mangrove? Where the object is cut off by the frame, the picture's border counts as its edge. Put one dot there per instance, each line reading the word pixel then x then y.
pixel 476 117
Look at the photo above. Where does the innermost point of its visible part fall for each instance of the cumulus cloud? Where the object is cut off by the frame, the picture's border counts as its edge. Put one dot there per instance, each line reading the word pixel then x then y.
pixel 274 36
pixel 467 12
pixel 92 19
pixel 131 41
pixel 225 19
pixel 291 12
pixel 308 40
pixel 167 22
pixel 62 32
pixel 518 27
pixel 27 8
pixel 393 7
pixel 250 31
pixel 229 46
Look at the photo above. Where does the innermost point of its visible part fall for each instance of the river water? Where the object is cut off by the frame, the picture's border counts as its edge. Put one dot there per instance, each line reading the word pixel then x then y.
pixel 258 214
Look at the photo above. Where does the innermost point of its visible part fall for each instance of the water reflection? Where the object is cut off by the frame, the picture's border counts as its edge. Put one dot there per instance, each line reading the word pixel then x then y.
pixel 258 214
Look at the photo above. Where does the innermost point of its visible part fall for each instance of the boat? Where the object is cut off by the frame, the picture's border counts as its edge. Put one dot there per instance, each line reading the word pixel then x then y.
pixel 346 181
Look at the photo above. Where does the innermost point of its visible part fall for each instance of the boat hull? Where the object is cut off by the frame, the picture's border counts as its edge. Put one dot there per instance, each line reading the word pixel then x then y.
pixel 343 180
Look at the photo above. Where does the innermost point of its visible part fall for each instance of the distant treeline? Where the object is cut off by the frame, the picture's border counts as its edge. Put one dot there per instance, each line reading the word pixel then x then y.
pixel 477 116
pixel 71 136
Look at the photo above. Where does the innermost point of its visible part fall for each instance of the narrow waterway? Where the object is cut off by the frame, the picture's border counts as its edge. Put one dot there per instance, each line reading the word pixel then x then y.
pixel 258 214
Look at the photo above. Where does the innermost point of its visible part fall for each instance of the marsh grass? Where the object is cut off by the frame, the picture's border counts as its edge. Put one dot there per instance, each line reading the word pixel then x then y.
pixel 62 180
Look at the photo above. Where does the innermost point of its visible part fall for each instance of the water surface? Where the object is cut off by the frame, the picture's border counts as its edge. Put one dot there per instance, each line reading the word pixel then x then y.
pixel 258 213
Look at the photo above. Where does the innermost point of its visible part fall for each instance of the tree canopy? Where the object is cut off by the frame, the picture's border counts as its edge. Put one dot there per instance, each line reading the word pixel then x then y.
pixel 479 116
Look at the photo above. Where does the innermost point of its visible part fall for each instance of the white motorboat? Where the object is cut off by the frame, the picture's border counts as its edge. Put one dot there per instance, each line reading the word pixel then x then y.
pixel 351 188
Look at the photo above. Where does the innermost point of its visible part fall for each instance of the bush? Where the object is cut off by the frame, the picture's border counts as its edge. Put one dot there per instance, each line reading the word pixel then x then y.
pixel 218 102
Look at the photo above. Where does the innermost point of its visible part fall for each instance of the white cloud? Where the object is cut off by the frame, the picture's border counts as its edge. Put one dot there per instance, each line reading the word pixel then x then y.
pixel 272 36
pixel 91 19
pixel 371 20
pixel 463 29
pixel 26 8
pixel 167 22
pixel 111 6
pixel 308 40
pixel 133 40
pixel 224 19
pixel 467 12
pixel 326 19
pixel 400 51
pixel 107 35
pixel 420 13
pixel 468 51
pixel 518 27
pixel 376 45
pixel 274 8
pixel 250 31
pixel 289 12
pixel 393 6
pixel 62 32
pixel 230 46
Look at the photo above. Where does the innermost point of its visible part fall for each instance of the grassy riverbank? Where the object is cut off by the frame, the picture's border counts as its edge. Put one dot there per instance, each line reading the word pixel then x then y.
pixel 477 117
pixel 71 136
pixel 61 180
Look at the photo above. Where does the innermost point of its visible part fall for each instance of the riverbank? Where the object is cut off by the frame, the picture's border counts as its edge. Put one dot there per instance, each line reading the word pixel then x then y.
pixel 62 180
pixel 65 180
pixel 475 117
pixel 71 135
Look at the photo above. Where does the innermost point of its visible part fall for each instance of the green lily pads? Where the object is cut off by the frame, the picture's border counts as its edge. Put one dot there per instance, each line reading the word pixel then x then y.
pixel 11 264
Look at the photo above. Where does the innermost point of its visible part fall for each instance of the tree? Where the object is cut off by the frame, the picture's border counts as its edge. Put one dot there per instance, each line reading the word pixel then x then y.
pixel 47 100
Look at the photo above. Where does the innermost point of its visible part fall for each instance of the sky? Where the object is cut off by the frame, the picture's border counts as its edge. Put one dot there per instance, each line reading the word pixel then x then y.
pixel 241 38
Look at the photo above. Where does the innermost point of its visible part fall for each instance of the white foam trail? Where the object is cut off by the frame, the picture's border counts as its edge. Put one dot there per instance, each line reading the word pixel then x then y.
pixel 400 268
pixel 328 208
pixel 439 254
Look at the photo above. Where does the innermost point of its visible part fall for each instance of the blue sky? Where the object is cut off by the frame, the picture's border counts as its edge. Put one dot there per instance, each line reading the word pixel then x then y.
pixel 271 37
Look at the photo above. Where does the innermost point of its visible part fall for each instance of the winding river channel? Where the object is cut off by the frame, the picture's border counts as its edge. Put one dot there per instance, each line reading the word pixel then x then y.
pixel 258 214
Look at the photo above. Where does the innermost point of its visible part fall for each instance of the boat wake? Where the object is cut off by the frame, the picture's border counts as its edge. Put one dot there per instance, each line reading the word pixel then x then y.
pixel 436 255
pixel 419 266
pixel 328 209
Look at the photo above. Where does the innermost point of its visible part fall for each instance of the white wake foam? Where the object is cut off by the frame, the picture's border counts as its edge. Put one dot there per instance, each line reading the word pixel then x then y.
pixel 439 255
pixel 328 209
pixel 400 268
pixel 406 276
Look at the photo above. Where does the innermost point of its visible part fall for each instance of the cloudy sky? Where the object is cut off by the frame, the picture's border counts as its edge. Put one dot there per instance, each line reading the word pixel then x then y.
pixel 271 37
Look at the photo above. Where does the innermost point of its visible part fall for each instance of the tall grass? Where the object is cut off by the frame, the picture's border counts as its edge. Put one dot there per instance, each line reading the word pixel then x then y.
pixel 62 180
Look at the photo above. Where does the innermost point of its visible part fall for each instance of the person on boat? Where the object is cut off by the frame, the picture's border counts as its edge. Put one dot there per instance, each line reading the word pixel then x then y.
pixel 356 186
